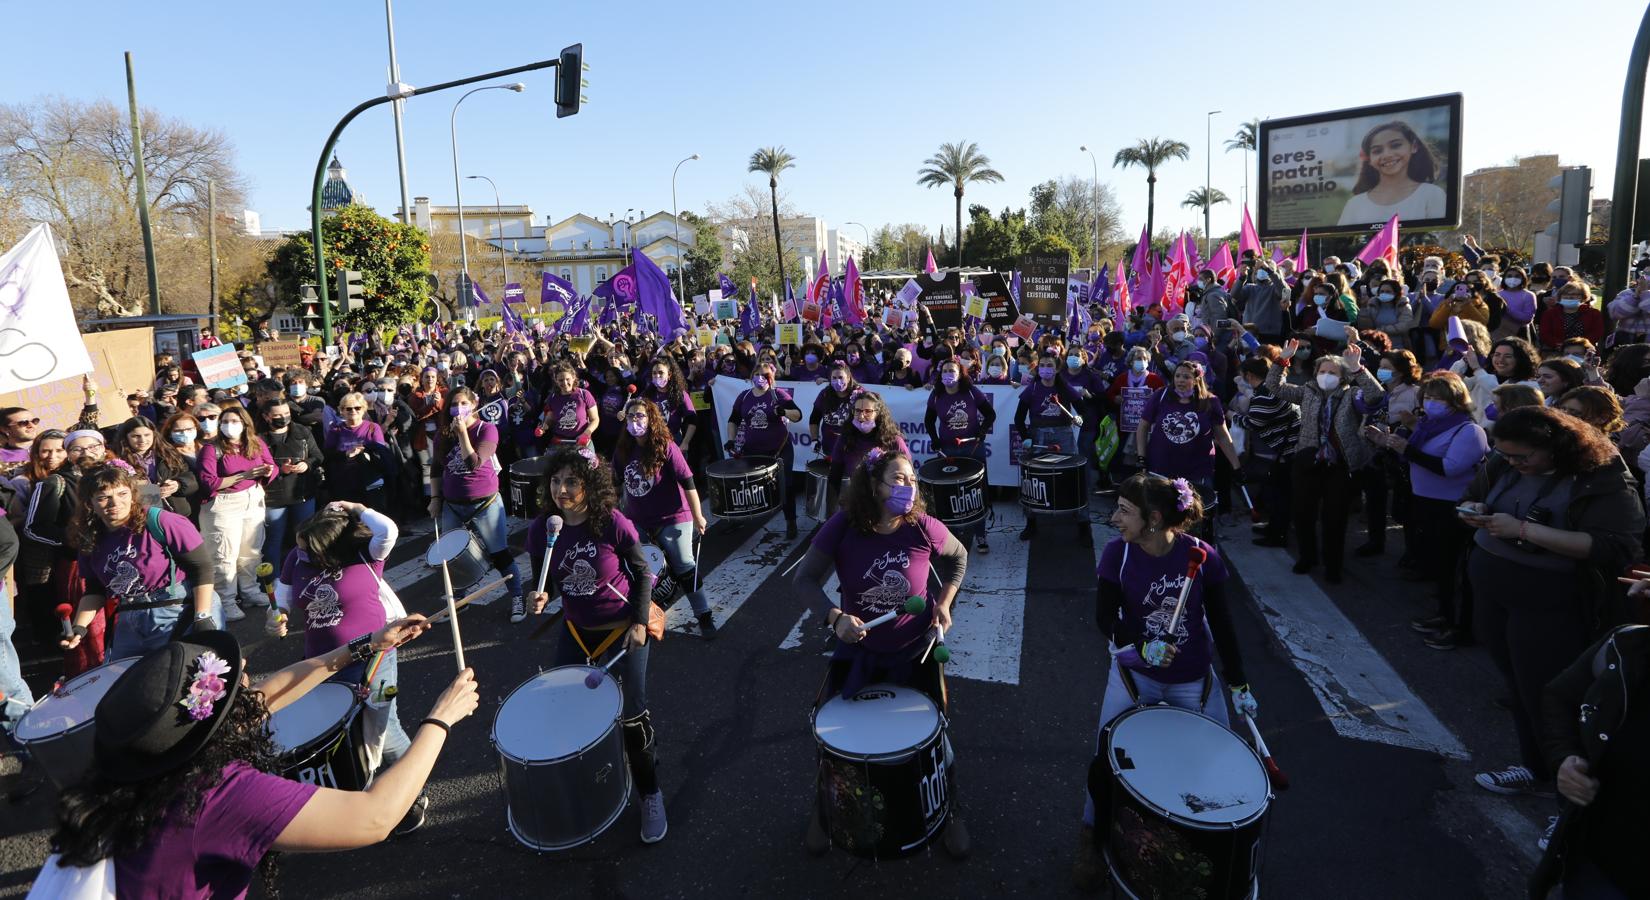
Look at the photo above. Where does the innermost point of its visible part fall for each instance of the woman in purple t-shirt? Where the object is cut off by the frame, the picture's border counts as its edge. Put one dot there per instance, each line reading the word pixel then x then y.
pixel 181 800
pixel 882 546
pixel 831 408
pixel 607 594
pixel 760 425
pixel 871 426
pixel 668 390
pixel 235 467
pixel 570 412
pixel 660 498
pixel 959 418
pixel 467 495
pixel 1181 426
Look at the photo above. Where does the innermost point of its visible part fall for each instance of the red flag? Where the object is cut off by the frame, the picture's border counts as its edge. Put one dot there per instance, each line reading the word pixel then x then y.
pixel 853 290
pixel 1384 245
pixel 1247 238
pixel 820 289
pixel 1178 276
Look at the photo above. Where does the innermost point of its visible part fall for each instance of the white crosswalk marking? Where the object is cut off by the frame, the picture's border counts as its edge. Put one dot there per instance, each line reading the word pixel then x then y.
pixel 988 615
pixel 737 577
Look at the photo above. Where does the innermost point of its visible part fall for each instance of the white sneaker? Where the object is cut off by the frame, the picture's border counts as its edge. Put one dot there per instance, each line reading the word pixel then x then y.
pixel 1547 836
pixel 1511 780
pixel 232 612
pixel 258 601
pixel 654 825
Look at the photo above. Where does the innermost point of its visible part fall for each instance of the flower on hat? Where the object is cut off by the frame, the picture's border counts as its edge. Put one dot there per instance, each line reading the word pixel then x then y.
pixel 207 686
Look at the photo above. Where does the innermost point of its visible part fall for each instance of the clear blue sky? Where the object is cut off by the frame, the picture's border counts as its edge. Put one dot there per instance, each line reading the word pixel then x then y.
pixel 859 91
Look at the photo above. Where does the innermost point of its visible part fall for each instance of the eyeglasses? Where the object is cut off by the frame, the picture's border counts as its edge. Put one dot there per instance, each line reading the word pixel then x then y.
pixel 209 418
pixel 1517 459
pixel 18 423
pixel 352 409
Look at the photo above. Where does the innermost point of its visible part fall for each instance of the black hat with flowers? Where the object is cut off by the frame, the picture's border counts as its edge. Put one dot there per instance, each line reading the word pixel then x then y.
pixel 167 706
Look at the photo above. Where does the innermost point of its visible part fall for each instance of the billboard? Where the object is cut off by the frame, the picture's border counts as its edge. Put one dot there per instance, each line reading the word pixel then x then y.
pixel 1353 169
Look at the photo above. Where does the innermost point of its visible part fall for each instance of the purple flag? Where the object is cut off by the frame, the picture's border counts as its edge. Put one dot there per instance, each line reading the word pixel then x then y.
pixel 1014 287
pixel 620 289
pixel 751 320
pixel 654 297
pixel 577 319
pixel 729 292
pixel 1141 252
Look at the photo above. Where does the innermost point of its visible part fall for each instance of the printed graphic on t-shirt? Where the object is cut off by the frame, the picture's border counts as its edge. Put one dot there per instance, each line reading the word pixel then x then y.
pixel 456 463
pixel 324 609
pixel 1180 427
pixel 577 576
pixel 956 418
pixel 636 482
pixel 120 576
pixel 1162 596
pixel 891 586
pixel 569 416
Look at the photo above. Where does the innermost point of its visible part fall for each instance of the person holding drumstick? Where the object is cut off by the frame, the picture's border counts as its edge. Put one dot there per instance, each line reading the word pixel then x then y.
pixel 872 427
pixel 182 798
pixel 661 499
pixel 758 422
pixel 570 412
pixel 883 546
pixel 959 417
pixel 466 494
pixel 607 596
pixel 832 408
pixel 1162 619
pixel 1180 428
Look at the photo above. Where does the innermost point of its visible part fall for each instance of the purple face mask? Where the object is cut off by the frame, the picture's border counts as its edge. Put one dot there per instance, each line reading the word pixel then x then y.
pixel 840 384
pixel 1045 371
pixel 864 426
pixel 761 382
pixel 901 497
pixel 661 381
pixel 637 428
pixel 948 378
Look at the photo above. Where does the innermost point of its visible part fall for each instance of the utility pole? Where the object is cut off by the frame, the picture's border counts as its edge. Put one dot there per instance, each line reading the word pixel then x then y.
pixel 212 252
pixel 395 107
pixel 1625 195
pixel 142 190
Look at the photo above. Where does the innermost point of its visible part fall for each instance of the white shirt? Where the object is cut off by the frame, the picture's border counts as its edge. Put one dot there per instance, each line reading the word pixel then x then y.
pixel 1427 201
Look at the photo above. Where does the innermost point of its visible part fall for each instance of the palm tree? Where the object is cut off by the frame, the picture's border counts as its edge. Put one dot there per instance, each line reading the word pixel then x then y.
pixel 1148 154
pixel 773 160
pixel 1245 140
pixel 957 165
pixel 1203 198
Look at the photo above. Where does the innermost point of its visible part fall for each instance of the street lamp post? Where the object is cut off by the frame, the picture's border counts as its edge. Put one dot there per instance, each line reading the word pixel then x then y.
pixel 498 213
pixel 468 296
pixel 1095 164
pixel 676 227
pixel 867 238
pixel 395 106
pixel 1208 168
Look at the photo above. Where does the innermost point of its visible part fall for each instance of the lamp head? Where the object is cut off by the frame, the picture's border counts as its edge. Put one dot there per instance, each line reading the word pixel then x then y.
pixel 518 87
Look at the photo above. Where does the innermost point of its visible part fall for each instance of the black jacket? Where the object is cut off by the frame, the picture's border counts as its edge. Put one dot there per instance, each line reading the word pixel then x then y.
pixel 297 444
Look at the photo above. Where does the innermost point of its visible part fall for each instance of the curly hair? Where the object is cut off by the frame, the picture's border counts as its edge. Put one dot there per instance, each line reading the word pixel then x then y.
pixel 1404 366
pixel 100 818
pixel 1524 357
pixel 600 496
pixel 86 527
pixel 556 372
pixel 654 447
pixel 884 434
pixel 1155 494
pixel 1575 445
pixel 859 497
pixel 676 382
pixel 1599 406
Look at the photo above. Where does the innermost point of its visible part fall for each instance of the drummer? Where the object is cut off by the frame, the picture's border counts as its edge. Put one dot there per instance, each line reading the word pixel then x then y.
pixel 331 585
pixel 1141 573
pixel 873 427
pixel 959 417
pixel 668 390
pixel 882 546
pixel 152 561
pixel 1180 428
pixel 181 794
pixel 467 492
pixel 831 408
pixel 758 425
pixel 661 499
pixel 1045 414
pixel 570 413
pixel 598 567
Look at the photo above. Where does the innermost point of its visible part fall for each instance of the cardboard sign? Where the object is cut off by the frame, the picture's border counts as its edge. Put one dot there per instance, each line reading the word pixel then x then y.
pixel 701 305
pixel 1025 327
pixel 941 295
pixel 810 311
pixel 706 337
pixel 122 361
pixel 788 334
pixel 281 354
pixel 220 367
pixel 1001 310
pixel 892 317
pixel 908 294
pixel 715 294
pixel 1043 289
pixel 726 309
pixel 581 343
pixel 974 307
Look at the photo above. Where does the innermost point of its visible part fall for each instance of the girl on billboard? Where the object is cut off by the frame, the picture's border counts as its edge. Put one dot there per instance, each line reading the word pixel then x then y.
pixel 1395 179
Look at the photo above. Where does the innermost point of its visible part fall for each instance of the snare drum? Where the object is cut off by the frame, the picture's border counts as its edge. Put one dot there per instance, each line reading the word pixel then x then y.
pixel 885 770
pixel 666 589
pixel 1052 483
pixel 561 758
pixel 823 494
pixel 743 488
pixel 953 489
pixel 522 499
pixel 466 559
pixel 60 730
pixel 1188 806
pixel 319 739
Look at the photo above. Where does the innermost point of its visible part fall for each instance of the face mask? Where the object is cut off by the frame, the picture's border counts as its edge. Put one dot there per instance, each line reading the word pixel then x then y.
pixel 1329 269
pixel 209 427
pixel 1200 342
pixel 1045 371
pixel 948 378
pixel 1491 413
pixel 659 381
pixel 1183 394
pixel 1512 281
pixel 1204 285
pixel 1576 358
pixel 901 497
pixel 761 382
pixel 1570 303
pixel 1329 380
pixel 1303 353
pixel 811 358
pixel 232 430
pixel 636 429
pixel 1388 297
pixel 1180 337
pixel 279 422
pixel 298 390
pixel 995 372
pixel 442 366
pixel 372 396
pixel 460 410
pixel 853 359
pixel 864 426
pixel 1137 366
pixel 1073 362
pixel 1435 408
pixel 1320 299
pixel 1263 276
pixel 1383 375
pixel 999 351
pixel 182 437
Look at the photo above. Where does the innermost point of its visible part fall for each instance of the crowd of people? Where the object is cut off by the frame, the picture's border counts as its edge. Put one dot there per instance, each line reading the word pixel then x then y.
pixel 1483 411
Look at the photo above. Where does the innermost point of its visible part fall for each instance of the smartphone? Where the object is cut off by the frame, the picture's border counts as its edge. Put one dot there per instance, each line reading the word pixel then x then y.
pixel 1469 510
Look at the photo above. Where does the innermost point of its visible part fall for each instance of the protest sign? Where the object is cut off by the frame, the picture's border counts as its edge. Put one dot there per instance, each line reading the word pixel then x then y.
pixel 220 367
pixel 941 295
pixel 975 307
pixel 1043 289
pixel 281 354
pixel 122 362
pixel 1001 310
pixel 788 334
pixel 39 337
pixel 726 309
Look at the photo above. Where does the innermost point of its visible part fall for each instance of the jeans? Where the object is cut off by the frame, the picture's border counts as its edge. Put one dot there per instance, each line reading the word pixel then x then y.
pixel 232 525
pixel 396 739
pixel 15 698
pixel 280 523
pixel 486 520
pixel 138 631
pixel 1185 696
pixel 641 752
pixel 677 543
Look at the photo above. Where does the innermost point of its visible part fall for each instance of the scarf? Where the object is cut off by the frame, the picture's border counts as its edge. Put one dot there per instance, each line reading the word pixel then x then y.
pixel 1431 426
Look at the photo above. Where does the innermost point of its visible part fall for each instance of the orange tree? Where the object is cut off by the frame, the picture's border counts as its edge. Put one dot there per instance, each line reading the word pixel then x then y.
pixel 393 259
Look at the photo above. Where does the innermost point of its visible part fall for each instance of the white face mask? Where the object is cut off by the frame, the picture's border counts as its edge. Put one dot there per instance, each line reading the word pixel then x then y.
pixel 232 429
pixel 298 389
pixel 1329 380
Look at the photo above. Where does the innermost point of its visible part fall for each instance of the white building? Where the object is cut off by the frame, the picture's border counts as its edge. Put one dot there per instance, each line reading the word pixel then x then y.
pixel 803 235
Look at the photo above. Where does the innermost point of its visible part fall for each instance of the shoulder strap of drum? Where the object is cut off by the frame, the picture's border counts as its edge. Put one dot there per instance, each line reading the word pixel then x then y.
pixel 151 524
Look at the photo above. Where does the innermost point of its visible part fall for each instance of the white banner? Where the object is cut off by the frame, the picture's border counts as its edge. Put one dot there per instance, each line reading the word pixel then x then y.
pixel 44 345
pixel 909 407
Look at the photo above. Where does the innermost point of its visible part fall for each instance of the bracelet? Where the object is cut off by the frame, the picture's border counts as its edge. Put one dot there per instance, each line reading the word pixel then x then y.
pixel 432 720
pixel 360 649
pixel 78 630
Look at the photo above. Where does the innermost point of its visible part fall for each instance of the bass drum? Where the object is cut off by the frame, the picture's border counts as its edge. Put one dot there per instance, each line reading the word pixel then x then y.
pixel 319 737
pixel 745 488
pixel 1188 804
pixel 522 499
pixel 1052 484
pixel 885 770
pixel 466 559
pixel 823 494
pixel 953 488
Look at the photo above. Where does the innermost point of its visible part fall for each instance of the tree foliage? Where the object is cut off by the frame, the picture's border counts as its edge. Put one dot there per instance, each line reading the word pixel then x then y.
pixel 1068 207
pixel 743 225
pixel 702 261
pixel 393 259
pixel 957 165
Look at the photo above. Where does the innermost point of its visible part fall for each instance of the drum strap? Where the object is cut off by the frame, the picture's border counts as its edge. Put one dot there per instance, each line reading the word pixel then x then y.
pixel 602 647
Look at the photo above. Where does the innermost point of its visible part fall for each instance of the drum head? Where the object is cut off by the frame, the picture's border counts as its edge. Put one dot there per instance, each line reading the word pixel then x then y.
pixel 949 470
pixel 739 468
pixel 553 714
pixel 314 714
pixel 819 468
pixel 73 705
pixel 450 547
pixel 655 559
pixel 530 468
pixel 1187 765
pixel 1054 461
pixel 880 720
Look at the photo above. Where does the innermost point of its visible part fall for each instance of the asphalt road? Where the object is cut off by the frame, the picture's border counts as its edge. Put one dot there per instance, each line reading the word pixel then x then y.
pixel 1363 819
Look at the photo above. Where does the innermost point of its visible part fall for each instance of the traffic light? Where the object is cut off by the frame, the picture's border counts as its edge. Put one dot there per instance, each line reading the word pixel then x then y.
pixel 308 297
pixel 1574 206
pixel 351 293
pixel 570 82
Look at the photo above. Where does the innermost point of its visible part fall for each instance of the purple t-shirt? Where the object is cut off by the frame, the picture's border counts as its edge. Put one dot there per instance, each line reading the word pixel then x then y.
pixel 1181 443
pixel 569 414
pixel 129 563
pixel 1045 405
pixel 763 429
pixel 877 572
pixel 1151 585
pixel 653 501
pixel 957 415
pixel 215 465
pixel 521 416
pixel 334 608
pixel 678 410
pixel 341 438
pixel 595 590
pixel 832 411
pixel 852 446
pixel 465 484
pixel 217 852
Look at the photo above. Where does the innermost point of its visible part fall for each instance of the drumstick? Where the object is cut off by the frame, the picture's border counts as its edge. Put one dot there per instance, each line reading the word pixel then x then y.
pixel 552 530
pixel 452 607
pixel 912 606
pixel 942 654
pixel 1254 514
pixel 64 612
pixel 1274 774
pixel 1194 561
pixel 469 598
pixel 593 680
